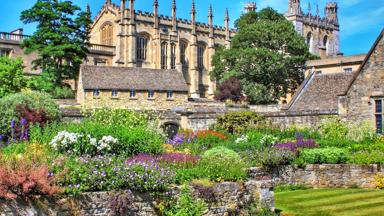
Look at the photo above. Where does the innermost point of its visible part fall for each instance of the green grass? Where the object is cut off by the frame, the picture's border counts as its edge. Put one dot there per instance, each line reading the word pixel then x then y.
pixel 329 202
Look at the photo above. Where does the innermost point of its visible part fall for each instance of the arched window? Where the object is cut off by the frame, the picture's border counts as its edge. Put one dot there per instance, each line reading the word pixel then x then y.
pixel 183 50
pixel 325 41
pixel 107 35
pixel 309 38
pixel 200 56
pixel 142 42
pixel 173 56
pixel 164 55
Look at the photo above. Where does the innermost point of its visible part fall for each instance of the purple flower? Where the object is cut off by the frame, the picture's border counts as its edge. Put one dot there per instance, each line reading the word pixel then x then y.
pixel 13 124
pixel 180 138
pixel 24 122
pixel 295 146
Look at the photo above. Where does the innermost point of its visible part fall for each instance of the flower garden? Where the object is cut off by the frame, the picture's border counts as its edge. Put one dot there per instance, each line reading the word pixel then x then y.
pixel 124 150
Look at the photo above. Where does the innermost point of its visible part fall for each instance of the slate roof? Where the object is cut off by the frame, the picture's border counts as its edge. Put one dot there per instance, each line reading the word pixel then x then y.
pixel 320 92
pixel 123 78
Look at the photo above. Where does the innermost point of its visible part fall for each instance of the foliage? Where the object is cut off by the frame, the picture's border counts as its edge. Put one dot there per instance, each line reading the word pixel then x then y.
pixel 221 163
pixel 266 55
pixel 12 78
pixel 230 89
pixel 60 39
pixel 186 205
pixel 122 202
pixel 119 117
pixel 330 155
pixel 366 157
pixel 268 140
pixel 361 132
pixel 289 187
pixel 239 122
pixel 24 182
pixel 378 181
pixel 14 108
pixel 270 158
pixel 64 92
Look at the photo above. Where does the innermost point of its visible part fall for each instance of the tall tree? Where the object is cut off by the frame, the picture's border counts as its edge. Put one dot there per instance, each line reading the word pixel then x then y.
pixel 61 38
pixel 12 78
pixel 267 55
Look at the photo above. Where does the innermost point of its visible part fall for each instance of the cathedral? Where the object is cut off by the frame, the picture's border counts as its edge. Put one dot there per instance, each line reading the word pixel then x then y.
pixel 153 41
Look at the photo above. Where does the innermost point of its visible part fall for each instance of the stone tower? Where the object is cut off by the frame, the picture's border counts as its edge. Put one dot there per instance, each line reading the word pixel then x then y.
pixel 320 33
pixel 250 7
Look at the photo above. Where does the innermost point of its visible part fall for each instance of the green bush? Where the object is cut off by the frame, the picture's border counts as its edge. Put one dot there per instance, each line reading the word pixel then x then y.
pixel 131 141
pixel 330 155
pixel 185 205
pixel 31 100
pixel 366 157
pixel 239 122
pixel 269 158
pixel 120 117
pixel 12 79
pixel 361 132
pixel 63 93
pixel 221 163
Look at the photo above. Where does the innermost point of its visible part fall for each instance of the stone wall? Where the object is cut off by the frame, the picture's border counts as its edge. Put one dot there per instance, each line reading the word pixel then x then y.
pixel 232 198
pixel 324 175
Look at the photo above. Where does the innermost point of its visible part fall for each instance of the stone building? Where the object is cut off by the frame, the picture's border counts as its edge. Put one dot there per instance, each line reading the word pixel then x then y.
pixel 133 88
pixel 150 40
pixel 320 33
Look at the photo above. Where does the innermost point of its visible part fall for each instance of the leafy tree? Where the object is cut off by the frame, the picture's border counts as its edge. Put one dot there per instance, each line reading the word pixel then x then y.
pixel 230 89
pixel 61 39
pixel 12 78
pixel 267 55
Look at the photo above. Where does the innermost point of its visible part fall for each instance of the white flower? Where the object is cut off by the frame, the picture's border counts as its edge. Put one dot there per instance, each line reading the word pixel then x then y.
pixel 64 139
pixel 242 139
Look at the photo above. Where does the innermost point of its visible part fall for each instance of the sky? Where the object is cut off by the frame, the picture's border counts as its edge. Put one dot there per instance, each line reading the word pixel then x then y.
pixel 361 21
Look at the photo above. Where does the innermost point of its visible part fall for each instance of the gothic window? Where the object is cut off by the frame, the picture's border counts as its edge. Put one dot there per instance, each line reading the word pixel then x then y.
pixel 142 43
pixel 309 38
pixel 173 56
pixel 183 49
pixel 379 115
pixel 200 56
pixel 107 35
pixel 325 41
pixel 164 55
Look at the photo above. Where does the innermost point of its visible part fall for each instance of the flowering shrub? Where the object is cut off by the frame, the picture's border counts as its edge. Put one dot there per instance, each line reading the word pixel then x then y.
pixel 24 182
pixel 203 134
pixel 79 144
pixel 268 140
pixel 119 117
pixel 300 143
pixel 242 139
pixel 181 138
pixel 378 181
pixel 179 159
pixel 330 155
pixel 269 158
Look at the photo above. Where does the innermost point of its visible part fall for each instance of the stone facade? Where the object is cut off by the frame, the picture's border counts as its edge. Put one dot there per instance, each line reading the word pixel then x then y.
pixel 324 175
pixel 139 102
pixel 357 103
pixel 232 199
pixel 320 33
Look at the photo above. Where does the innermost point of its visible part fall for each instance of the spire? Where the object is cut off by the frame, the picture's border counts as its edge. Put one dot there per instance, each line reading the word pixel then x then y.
pixel 331 12
pixel 210 21
pixel 108 2
pixel 193 16
pixel 122 9
pixel 227 36
pixel 317 10
pixel 294 7
pixel 309 8
pixel 132 11
pixel 174 18
pixel 156 14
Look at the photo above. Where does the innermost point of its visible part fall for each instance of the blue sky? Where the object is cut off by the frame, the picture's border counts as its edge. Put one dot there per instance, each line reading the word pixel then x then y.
pixel 361 20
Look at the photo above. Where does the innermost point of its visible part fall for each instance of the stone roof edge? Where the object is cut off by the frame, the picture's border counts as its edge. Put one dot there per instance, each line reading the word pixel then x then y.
pixel 364 62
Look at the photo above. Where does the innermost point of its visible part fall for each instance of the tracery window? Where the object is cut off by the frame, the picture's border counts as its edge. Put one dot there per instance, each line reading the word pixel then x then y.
pixel 325 41
pixel 183 50
pixel 173 56
pixel 309 38
pixel 164 55
pixel 200 56
pixel 107 35
pixel 379 115
pixel 142 43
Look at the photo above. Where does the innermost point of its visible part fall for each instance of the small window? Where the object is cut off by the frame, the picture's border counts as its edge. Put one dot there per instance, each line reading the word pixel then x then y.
pixel 4 52
pixel 379 115
pixel 115 93
pixel 132 93
pixel 169 94
pixel 96 93
pixel 348 70
pixel 151 94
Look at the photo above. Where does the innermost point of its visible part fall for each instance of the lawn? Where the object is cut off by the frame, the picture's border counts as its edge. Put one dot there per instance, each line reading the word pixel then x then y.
pixel 326 202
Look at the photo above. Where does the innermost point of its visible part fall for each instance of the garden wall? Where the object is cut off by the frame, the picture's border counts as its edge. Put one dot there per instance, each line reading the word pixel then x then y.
pixel 325 175
pixel 231 198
